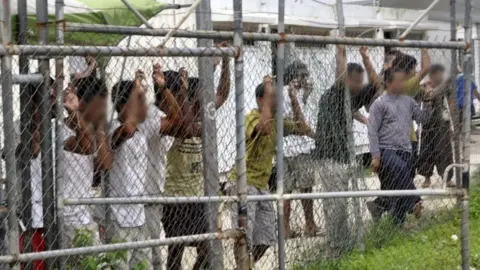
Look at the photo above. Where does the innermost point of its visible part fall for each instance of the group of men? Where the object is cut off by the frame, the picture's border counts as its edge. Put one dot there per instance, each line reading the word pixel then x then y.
pixel 156 150
pixel 134 149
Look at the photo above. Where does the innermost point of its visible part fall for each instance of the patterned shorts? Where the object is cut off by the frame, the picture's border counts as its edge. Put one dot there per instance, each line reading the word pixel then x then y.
pixel 300 172
pixel 261 218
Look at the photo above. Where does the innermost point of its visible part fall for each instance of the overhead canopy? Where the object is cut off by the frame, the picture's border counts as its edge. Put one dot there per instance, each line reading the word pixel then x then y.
pixel 110 12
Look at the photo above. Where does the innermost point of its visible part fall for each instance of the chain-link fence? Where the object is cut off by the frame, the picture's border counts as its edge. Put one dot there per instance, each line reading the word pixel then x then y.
pixel 225 150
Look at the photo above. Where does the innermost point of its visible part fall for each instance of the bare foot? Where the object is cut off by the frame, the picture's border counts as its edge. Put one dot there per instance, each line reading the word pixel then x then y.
pixel 451 184
pixel 417 209
pixel 312 231
pixel 427 183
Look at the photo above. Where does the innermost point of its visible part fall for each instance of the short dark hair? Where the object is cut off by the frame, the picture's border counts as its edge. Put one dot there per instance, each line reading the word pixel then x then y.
pixel 389 74
pixel 354 67
pixel 436 68
pixel 172 82
pixel 90 87
pixel 193 88
pixel 121 92
pixel 260 91
pixel 392 54
pixel 35 89
pixel 405 62
pixel 293 70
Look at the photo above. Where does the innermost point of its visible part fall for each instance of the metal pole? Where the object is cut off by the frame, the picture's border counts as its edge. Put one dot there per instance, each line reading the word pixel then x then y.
pixel 241 245
pixel 9 140
pixel 417 20
pixel 182 20
pixel 120 246
pixel 203 17
pixel 59 157
pixel 26 116
pixel 46 133
pixel 455 112
pixel 279 122
pixel 26 78
pixel 467 73
pixel 54 51
pixel 257 198
pixel 224 35
pixel 137 14
pixel 350 141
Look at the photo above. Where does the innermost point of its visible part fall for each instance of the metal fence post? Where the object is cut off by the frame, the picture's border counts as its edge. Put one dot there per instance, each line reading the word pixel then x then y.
pixel 9 140
pixel 26 116
pixel 46 133
pixel 241 247
pixel 59 158
pixel 203 16
pixel 467 73
pixel 345 230
pixel 455 112
pixel 280 64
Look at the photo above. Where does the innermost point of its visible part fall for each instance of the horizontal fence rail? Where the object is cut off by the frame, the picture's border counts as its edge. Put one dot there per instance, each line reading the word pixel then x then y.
pixel 52 50
pixel 259 198
pixel 121 246
pixel 128 30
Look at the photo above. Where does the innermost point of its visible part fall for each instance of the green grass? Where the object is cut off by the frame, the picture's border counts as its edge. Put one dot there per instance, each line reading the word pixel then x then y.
pixel 429 245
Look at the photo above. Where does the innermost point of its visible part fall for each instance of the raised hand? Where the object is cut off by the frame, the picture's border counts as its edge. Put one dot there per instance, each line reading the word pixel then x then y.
pixel 183 78
pixel 293 86
pixel 364 50
pixel 267 80
pixel 139 77
pixel 70 100
pixel 157 76
pixel 217 60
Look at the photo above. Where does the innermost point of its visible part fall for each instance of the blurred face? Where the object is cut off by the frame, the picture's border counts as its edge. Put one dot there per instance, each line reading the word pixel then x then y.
pixel 136 107
pixel 302 78
pixel 397 85
pixel 355 81
pixel 437 77
pixel 261 102
pixel 96 110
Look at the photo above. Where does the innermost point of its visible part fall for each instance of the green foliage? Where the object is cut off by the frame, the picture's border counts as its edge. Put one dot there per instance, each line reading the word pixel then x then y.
pixel 100 261
pixel 433 243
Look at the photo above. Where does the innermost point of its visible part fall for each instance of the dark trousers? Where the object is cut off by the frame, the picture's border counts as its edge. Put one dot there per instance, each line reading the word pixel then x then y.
pixel 396 173
pixel 435 150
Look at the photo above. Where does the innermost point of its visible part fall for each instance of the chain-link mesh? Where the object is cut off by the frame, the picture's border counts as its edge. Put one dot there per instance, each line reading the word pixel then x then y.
pixel 137 165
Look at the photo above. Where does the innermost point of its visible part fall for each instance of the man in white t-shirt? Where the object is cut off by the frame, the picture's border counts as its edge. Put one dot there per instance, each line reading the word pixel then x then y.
pixel 81 164
pixel 159 129
pixel 133 132
pixel 128 173
pixel 299 166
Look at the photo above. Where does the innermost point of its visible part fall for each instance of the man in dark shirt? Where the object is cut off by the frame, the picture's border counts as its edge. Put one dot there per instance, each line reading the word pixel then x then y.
pixel 331 144
pixel 332 138
pixel 436 147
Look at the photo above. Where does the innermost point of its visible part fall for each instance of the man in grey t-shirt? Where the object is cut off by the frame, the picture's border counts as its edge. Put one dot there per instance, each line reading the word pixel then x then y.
pixel 389 125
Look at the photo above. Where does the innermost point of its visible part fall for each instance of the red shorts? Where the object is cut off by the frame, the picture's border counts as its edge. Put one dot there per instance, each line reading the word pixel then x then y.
pixel 38 244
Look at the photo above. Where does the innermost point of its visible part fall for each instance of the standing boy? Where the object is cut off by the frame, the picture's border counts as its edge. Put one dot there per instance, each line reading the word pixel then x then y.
pixel 389 124
pixel 299 165
pixel 260 143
